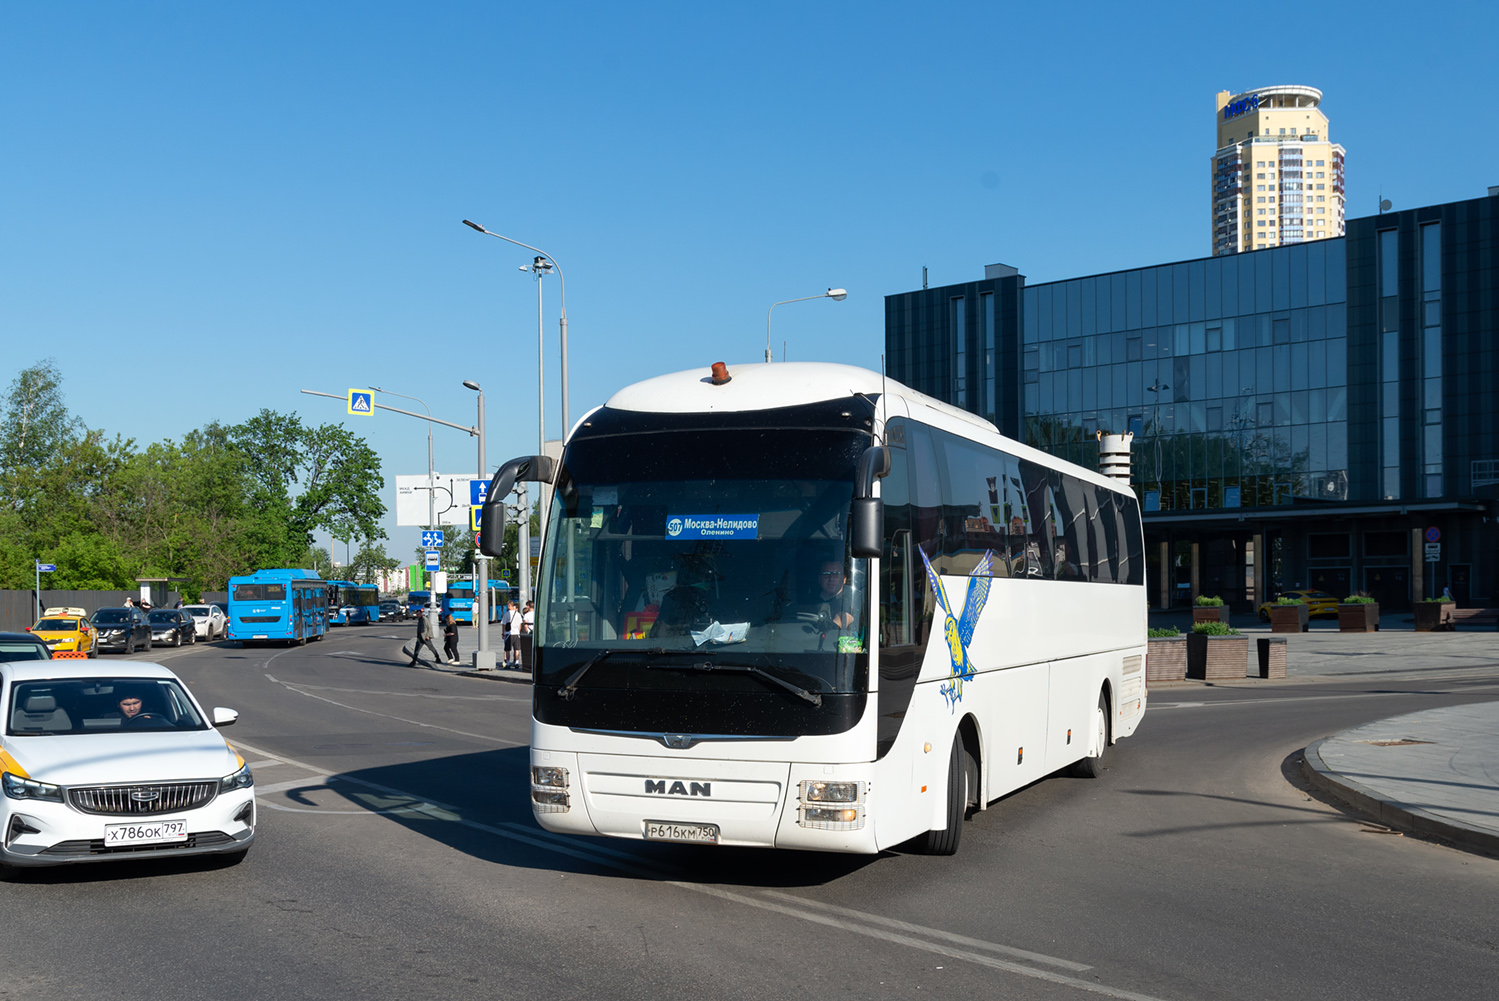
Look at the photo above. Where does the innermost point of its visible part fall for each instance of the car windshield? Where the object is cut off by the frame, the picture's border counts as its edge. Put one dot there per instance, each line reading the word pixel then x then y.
pixel 163 618
pixel 22 651
pixel 198 611
pixel 727 544
pixel 55 626
pixel 112 616
pixel 100 705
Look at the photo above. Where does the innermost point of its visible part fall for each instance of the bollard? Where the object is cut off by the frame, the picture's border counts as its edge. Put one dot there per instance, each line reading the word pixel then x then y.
pixel 1272 651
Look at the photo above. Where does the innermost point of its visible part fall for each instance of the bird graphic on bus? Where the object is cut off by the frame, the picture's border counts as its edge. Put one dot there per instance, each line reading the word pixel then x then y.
pixel 957 627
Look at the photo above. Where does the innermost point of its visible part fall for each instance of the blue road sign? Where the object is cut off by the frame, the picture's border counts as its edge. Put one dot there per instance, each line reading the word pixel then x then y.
pixel 46 567
pixel 432 538
pixel 361 403
pixel 1433 534
pixel 477 491
pixel 433 559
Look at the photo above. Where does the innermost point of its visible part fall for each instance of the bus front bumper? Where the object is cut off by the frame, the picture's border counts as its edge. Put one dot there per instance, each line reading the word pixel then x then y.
pixel 697 799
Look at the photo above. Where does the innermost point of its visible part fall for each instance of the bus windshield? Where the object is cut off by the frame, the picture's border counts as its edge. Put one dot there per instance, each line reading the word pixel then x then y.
pixel 682 551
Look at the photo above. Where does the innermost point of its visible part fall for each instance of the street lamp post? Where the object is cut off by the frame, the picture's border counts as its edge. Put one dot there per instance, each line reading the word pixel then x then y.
pixel 562 290
pixel 835 294
pixel 484 657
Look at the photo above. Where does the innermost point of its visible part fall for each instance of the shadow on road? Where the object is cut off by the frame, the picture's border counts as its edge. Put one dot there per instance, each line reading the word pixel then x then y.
pixel 488 794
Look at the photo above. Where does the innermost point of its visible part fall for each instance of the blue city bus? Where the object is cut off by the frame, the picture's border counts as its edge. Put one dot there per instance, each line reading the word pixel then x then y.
pixel 351 604
pixel 278 606
pixel 459 600
pixel 360 603
pixel 416 601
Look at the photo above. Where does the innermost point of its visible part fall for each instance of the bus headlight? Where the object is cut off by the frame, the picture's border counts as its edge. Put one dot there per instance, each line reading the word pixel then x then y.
pixel 831 806
pixel 549 789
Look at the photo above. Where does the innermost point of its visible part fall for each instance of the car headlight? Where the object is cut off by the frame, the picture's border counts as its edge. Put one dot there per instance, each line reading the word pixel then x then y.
pixel 18 788
pixel 241 779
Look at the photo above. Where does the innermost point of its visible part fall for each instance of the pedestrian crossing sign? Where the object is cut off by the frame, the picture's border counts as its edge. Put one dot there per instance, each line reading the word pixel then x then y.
pixel 475 516
pixel 361 403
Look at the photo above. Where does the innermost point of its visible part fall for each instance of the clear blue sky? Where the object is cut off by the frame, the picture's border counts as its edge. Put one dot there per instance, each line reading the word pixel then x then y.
pixel 207 207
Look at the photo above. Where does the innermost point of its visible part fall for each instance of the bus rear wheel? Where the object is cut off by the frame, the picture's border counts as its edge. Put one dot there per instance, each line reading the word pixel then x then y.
pixel 1092 767
pixel 958 777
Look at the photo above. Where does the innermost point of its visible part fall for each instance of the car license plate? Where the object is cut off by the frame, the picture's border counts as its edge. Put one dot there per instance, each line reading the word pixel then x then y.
pixel 143 834
pixel 698 834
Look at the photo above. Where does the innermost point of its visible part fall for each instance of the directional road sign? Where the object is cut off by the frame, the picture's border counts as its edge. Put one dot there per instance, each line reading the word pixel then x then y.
pixel 361 402
pixel 46 567
pixel 432 538
pixel 434 558
pixel 477 491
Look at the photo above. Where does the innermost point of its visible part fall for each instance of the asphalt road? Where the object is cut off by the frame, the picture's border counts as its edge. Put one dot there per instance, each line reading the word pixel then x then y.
pixel 396 858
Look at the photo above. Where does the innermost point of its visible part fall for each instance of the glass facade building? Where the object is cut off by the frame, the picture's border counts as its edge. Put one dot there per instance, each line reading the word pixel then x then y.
pixel 1306 415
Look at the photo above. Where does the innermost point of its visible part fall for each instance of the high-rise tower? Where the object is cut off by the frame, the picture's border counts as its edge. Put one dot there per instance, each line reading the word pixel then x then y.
pixel 1276 178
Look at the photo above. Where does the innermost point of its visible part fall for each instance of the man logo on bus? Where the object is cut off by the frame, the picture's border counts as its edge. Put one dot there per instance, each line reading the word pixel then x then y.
pixel 958 629
pixel 674 527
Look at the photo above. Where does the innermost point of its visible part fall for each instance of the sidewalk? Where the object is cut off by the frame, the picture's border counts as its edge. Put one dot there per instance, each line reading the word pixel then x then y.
pixel 468 644
pixel 1434 772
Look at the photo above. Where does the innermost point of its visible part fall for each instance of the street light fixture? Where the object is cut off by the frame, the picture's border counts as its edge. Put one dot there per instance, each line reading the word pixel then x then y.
pixel 562 323
pixel 835 294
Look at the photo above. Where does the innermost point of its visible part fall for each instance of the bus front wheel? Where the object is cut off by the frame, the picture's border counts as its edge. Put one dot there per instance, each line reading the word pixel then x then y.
pixel 945 842
pixel 1091 767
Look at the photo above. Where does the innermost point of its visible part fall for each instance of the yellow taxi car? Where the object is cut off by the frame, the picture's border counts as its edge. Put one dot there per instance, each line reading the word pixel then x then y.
pixel 1317 603
pixel 67 633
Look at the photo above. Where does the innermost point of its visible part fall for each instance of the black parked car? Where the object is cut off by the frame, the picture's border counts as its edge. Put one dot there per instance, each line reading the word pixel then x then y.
pixel 123 629
pixel 23 646
pixel 172 626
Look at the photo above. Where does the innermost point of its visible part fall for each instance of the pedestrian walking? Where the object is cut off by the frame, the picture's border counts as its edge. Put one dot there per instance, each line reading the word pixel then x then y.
pixel 423 635
pixel 450 638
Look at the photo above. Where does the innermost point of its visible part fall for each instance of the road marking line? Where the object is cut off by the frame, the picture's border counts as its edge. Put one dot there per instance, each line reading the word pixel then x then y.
pixel 310 782
pixel 404 695
pixel 291 687
pixel 267 763
pixel 933 947
pixel 915 929
pixel 1312 698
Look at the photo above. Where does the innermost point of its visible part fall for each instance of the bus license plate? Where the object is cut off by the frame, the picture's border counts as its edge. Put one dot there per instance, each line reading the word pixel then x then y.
pixel 698 834
pixel 144 834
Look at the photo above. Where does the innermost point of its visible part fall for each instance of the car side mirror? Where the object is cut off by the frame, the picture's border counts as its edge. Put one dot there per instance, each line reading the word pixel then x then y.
pixel 224 717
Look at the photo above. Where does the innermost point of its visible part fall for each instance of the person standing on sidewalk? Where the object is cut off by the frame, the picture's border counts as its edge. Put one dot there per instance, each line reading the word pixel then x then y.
pixel 510 626
pixel 450 638
pixel 423 635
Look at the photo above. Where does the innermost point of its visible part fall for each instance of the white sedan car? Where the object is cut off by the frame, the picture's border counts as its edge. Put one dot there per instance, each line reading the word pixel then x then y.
pixel 209 620
pixel 124 766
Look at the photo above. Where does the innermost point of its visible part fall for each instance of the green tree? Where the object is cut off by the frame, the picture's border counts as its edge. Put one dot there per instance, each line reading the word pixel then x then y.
pixel 336 476
pixel 370 562
pixel 34 423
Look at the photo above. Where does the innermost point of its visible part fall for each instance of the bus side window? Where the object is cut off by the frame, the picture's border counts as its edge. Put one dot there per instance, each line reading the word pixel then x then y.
pixel 904 619
pixel 1036 489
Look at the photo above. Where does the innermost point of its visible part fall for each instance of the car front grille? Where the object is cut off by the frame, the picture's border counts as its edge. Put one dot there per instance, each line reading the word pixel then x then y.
pixel 79 849
pixel 143 800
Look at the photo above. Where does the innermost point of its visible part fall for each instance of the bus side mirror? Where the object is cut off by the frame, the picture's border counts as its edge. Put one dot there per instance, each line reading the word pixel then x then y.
pixel 866 521
pixel 866 527
pixel 530 469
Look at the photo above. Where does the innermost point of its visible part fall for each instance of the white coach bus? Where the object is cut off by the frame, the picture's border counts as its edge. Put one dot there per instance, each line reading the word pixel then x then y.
pixel 803 607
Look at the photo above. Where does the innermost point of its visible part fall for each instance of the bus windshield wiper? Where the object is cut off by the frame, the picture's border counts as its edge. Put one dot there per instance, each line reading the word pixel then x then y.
pixel 570 686
pixel 759 672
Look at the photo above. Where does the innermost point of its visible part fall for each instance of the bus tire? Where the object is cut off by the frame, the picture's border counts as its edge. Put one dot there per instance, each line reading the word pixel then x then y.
pixel 945 842
pixel 1092 767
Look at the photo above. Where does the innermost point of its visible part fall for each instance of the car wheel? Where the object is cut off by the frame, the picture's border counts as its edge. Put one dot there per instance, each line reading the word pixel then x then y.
pixel 958 772
pixel 1092 767
pixel 93 652
pixel 148 644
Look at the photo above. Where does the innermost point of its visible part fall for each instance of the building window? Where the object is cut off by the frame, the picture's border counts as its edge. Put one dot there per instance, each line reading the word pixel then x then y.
pixel 1389 360
pixel 960 365
pixel 987 311
pixel 1431 357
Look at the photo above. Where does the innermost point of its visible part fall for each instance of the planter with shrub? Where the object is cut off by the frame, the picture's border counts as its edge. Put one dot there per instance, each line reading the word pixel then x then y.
pixel 1216 653
pixel 1288 615
pixel 1358 613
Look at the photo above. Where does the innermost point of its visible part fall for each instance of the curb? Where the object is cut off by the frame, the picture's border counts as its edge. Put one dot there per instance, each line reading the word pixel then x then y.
pixel 1412 820
pixel 499 674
